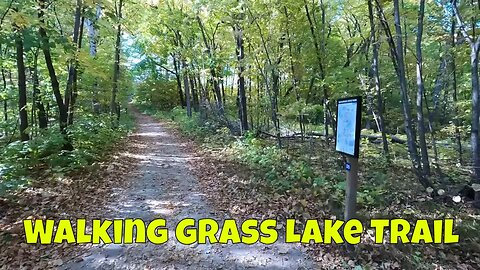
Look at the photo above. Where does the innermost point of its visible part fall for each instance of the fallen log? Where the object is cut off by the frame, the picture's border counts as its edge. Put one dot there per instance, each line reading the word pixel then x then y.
pixel 393 138
pixel 308 135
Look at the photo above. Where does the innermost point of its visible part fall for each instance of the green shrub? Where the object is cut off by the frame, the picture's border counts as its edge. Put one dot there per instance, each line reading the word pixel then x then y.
pixel 92 137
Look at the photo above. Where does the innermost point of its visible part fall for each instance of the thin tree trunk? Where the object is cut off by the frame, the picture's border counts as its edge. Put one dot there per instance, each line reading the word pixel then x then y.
pixel 179 81
pixel 431 117
pixel 376 75
pixel 4 89
pixel 420 91
pixel 273 100
pixel 242 99
pixel 74 94
pixel 72 70
pixel 42 116
pixel 187 88
pixel 93 39
pixel 22 84
pixel 457 121
pixel 323 44
pixel 213 72
pixel 116 69
pixel 33 122
pixel 294 76
pixel 411 137
pixel 203 99
pixel 63 116
pixel 405 41
pixel 439 85
pixel 5 100
pixel 194 91
pixel 223 91
pixel 250 98
pixel 319 50
pixel 475 114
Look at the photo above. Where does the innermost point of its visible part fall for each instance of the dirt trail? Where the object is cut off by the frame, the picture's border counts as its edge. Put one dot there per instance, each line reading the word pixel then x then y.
pixel 165 188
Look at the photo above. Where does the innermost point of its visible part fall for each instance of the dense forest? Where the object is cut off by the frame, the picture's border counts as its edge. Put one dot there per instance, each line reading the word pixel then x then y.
pixel 277 68
pixel 260 79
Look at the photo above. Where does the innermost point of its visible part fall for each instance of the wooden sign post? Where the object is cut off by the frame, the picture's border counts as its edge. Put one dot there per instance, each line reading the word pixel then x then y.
pixel 348 143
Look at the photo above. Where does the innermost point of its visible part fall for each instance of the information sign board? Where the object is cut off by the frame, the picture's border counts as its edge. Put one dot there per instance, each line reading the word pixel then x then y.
pixel 348 126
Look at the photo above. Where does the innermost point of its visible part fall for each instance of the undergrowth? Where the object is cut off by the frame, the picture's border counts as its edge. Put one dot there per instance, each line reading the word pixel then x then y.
pixel 315 173
pixel 281 170
pixel 302 165
pixel 92 137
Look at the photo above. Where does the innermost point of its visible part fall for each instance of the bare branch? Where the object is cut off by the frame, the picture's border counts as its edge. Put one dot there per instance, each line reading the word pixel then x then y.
pixel 163 67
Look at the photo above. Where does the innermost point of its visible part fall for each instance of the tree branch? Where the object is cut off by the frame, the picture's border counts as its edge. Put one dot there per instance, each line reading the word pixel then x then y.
pixel 58 20
pixel 5 13
pixel 460 23
pixel 164 67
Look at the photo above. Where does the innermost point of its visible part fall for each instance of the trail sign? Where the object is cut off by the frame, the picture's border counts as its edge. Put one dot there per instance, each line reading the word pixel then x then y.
pixel 348 126
pixel 347 142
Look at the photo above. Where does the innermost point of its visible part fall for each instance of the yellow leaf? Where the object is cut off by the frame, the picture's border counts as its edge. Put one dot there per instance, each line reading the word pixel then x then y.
pixel 20 20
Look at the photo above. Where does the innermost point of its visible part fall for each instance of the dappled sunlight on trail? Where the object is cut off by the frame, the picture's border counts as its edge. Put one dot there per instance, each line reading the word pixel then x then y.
pixel 163 187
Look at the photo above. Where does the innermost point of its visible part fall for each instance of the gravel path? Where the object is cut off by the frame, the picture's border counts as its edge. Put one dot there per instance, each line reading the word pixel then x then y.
pixel 163 187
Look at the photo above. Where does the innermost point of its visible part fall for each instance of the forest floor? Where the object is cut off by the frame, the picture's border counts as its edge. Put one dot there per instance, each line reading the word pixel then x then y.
pixel 164 187
pixel 149 178
pixel 156 172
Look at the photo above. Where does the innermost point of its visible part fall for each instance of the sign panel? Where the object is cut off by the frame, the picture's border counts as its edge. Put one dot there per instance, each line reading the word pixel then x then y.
pixel 348 126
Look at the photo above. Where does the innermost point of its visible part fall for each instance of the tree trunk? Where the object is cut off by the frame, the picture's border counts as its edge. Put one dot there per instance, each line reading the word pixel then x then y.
pixel 376 75
pixel 274 104
pixel 431 117
pixel 223 90
pixel 475 113
pixel 93 39
pixel 187 88
pixel 323 43
pixel 405 40
pixel 72 69
pixel 411 137
pixel 42 116
pixel 420 91
pixel 33 121
pixel 22 85
pixel 63 116
pixel 116 68
pixel 179 82
pixel 474 51
pixel 74 94
pixel 319 50
pixel 203 99
pixel 213 73
pixel 5 100
pixel 242 99
pixel 457 122
pixel 294 76
pixel 194 91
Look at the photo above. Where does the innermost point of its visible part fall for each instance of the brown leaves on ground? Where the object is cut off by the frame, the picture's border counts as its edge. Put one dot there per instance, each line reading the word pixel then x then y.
pixel 231 188
pixel 80 194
